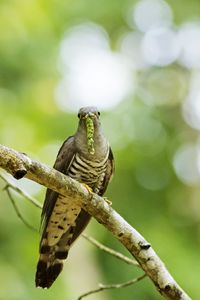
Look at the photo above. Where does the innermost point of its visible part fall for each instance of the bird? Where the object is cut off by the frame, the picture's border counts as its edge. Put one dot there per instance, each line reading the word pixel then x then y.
pixel 86 157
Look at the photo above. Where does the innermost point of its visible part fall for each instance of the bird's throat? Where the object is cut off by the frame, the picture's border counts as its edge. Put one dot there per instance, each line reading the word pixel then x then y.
pixel 90 135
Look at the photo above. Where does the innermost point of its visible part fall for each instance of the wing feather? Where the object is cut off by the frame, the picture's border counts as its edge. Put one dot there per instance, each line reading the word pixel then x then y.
pixel 62 163
pixel 109 172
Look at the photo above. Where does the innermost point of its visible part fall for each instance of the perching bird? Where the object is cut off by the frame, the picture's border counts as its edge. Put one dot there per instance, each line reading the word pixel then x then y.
pixel 86 157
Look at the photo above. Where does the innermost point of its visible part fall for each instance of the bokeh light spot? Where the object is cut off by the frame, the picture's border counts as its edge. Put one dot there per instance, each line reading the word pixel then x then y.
pixel 92 73
pixel 189 39
pixel 191 105
pixel 148 14
pixel 160 47
pixel 185 164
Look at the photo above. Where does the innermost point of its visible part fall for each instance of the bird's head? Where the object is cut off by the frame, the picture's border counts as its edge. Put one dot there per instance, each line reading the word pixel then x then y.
pixel 89 111
pixel 89 120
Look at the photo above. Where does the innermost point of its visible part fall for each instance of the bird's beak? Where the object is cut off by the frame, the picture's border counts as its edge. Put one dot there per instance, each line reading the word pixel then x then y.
pixel 89 115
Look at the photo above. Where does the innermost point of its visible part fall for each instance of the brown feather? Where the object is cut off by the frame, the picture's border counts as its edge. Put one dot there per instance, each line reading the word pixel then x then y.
pixel 62 220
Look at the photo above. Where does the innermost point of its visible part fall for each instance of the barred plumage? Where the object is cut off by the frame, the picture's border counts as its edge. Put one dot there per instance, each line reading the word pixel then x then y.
pixel 90 172
pixel 63 221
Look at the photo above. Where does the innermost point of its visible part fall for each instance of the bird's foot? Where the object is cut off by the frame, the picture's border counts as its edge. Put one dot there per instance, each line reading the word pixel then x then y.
pixel 89 189
pixel 107 201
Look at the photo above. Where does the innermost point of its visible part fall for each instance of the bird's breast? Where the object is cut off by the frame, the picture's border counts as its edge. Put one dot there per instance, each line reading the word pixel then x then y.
pixel 90 172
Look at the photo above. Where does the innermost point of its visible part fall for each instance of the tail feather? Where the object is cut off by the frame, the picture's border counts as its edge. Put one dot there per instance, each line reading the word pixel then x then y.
pixel 50 263
pixel 54 251
pixel 45 274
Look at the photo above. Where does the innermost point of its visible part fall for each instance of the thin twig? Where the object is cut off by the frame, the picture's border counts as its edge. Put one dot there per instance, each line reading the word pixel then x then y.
pixel 110 251
pixel 103 287
pixel 21 192
pixel 17 210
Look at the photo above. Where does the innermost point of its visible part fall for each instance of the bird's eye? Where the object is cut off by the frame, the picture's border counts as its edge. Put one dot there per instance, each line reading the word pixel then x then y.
pixel 98 113
pixel 79 115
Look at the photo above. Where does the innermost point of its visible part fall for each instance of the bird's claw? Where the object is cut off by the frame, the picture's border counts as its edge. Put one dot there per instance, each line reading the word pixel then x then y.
pixel 107 201
pixel 89 189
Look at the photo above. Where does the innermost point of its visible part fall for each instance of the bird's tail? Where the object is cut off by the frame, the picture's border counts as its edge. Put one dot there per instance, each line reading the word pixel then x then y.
pixel 47 273
pixel 50 262
pixel 51 258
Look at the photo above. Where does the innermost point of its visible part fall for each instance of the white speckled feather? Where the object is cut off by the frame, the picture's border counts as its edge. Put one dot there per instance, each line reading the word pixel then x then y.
pixel 62 218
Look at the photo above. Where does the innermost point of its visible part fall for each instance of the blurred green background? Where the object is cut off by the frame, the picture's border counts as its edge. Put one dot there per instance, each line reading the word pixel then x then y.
pixel 138 61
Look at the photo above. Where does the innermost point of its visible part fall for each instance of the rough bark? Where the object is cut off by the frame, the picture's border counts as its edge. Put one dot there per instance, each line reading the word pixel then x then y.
pixel 20 165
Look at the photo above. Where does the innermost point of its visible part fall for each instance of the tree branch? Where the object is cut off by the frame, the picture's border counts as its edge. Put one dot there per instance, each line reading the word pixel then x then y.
pixel 110 251
pixel 20 165
pixel 103 287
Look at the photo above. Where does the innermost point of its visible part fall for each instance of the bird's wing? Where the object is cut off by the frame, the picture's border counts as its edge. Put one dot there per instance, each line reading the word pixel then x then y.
pixel 58 216
pixel 62 163
pixel 109 172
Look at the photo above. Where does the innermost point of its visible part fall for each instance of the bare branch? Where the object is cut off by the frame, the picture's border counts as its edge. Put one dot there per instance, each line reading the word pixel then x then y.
pixel 19 165
pixel 103 287
pixel 110 251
